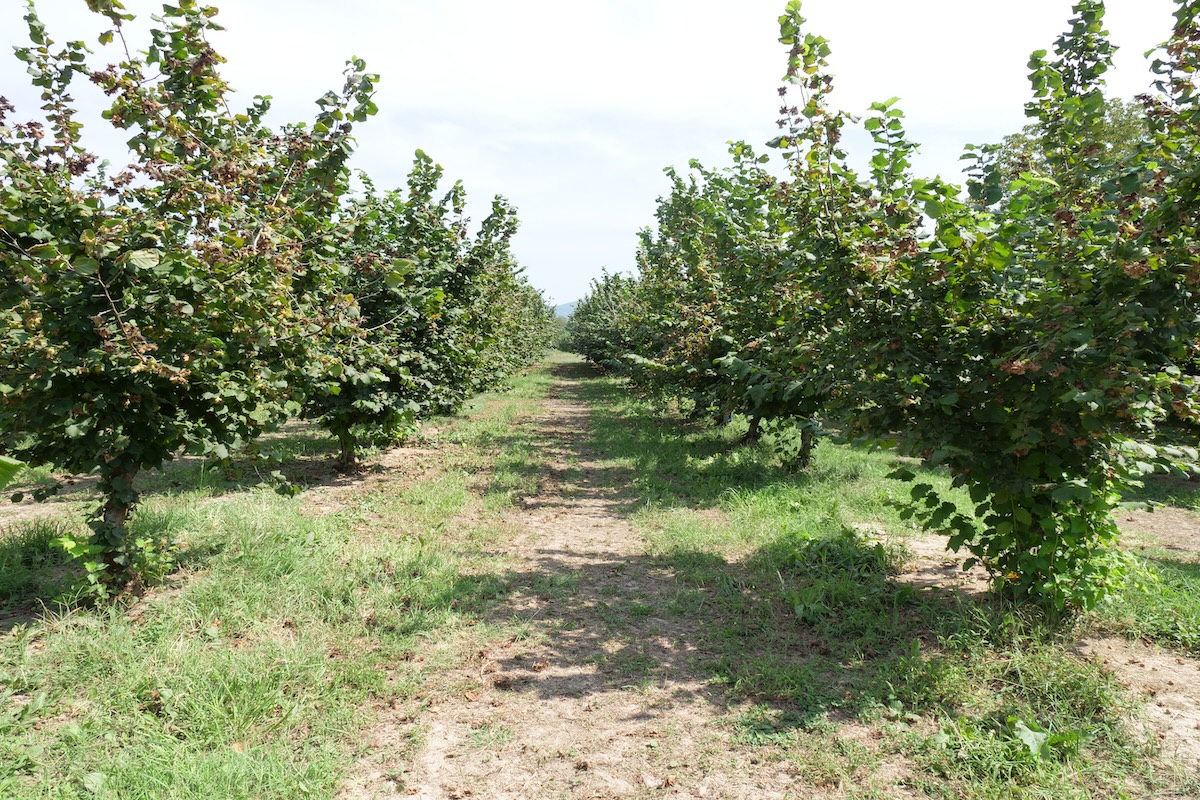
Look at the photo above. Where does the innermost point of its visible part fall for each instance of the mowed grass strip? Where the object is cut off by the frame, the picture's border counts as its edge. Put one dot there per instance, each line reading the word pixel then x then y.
pixel 872 686
pixel 253 671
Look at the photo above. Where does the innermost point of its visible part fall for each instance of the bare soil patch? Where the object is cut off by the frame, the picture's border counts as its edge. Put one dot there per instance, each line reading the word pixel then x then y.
pixel 77 491
pixel 1168 684
pixel 1176 530
pixel 391 469
pixel 932 566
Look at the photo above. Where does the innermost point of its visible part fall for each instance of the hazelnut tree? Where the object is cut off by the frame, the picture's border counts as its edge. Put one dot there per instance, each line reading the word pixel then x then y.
pixel 180 303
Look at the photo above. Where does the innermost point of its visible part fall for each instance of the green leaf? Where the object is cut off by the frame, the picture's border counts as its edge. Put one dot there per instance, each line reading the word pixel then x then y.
pixel 94 782
pixel 9 469
pixel 921 491
pixel 85 265
pixel 1034 737
pixel 143 259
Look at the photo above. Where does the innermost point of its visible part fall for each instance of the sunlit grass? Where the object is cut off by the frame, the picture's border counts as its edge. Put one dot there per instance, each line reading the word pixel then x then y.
pixel 257 666
pixel 794 578
pixel 248 674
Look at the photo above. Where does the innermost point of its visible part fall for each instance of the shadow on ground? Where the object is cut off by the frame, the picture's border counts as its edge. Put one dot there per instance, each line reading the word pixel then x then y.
pixel 814 628
pixel 728 633
pixel 300 456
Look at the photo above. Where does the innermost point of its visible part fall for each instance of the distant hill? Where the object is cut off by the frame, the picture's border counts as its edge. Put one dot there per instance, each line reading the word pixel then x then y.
pixel 565 309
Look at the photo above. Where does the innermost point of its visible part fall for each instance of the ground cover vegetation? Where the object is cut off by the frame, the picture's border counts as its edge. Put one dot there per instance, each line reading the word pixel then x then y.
pixel 227 279
pixel 1033 335
pixel 290 622
pixel 816 616
pixel 307 636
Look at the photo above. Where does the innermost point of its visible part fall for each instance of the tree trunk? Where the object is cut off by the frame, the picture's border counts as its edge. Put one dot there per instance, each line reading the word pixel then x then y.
pixel 755 433
pixel 111 532
pixel 806 446
pixel 347 452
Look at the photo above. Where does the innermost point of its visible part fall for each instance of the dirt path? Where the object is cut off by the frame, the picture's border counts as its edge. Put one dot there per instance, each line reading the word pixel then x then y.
pixel 601 699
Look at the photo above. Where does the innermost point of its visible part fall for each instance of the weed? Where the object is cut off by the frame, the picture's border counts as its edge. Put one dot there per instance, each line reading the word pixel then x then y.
pixel 1162 604
pixel 489 735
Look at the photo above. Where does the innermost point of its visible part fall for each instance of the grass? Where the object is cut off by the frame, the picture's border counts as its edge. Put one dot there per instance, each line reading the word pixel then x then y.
pixel 795 578
pixel 237 684
pixel 1161 605
pixel 30 567
pixel 487 736
pixel 1170 490
pixel 252 672
pixel 255 670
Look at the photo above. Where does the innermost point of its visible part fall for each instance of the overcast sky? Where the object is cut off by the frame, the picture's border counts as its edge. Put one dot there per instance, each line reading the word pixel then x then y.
pixel 572 109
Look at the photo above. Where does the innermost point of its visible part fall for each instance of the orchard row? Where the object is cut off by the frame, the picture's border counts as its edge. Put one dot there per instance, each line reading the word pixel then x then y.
pixel 1035 334
pixel 227 279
